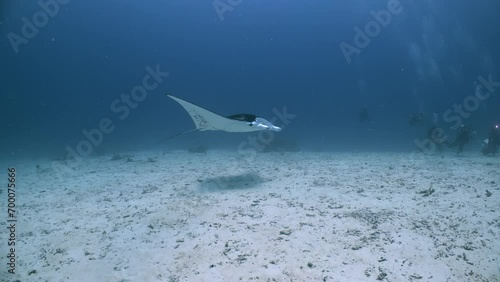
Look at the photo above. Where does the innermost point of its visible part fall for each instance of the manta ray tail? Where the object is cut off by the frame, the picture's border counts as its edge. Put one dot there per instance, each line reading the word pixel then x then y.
pixel 176 135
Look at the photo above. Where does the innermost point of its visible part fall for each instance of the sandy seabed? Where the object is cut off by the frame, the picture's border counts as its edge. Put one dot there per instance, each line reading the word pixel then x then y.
pixel 221 216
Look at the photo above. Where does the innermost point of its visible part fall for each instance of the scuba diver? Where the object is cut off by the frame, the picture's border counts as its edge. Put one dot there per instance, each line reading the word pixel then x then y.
pixel 492 144
pixel 436 136
pixel 415 119
pixel 363 115
pixel 464 135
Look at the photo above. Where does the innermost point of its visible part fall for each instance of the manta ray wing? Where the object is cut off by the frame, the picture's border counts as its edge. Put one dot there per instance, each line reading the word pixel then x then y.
pixel 207 120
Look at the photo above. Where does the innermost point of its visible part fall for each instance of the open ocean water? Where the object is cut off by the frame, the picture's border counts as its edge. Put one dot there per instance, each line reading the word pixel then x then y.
pixel 67 65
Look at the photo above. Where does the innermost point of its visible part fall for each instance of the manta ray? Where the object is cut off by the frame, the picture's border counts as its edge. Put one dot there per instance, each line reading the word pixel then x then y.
pixel 207 120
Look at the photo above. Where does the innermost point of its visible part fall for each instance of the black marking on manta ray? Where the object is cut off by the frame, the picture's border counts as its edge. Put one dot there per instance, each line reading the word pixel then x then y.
pixel 201 121
pixel 243 117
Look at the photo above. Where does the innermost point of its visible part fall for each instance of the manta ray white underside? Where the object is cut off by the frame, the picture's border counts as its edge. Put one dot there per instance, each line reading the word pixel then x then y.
pixel 208 120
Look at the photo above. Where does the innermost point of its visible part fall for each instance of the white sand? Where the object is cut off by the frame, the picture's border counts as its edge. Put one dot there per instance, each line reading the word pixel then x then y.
pixel 278 217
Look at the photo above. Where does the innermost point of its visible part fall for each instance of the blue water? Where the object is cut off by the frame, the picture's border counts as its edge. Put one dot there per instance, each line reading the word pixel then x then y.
pixel 254 57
